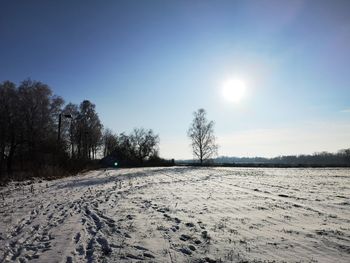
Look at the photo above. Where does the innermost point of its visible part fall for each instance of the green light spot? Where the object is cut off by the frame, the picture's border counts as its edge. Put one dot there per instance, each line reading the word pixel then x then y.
pixel 115 164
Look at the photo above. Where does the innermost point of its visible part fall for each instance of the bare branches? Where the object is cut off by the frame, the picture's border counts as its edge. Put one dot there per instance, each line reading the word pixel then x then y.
pixel 110 142
pixel 29 121
pixel 201 133
pixel 85 130
pixel 137 147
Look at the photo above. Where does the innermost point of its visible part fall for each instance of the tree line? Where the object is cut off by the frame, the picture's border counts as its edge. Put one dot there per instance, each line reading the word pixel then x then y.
pixel 340 158
pixel 205 149
pixel 28 117
pixel 140 147
pixel 41 135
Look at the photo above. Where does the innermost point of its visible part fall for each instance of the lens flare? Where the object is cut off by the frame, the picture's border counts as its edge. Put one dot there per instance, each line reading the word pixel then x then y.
pixel 234 90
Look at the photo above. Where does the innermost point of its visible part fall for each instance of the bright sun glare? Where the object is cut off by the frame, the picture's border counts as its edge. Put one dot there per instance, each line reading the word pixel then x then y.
pixel 233 90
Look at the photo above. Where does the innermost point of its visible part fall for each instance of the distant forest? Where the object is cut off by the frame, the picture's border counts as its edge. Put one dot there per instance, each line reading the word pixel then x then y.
pixel 321 159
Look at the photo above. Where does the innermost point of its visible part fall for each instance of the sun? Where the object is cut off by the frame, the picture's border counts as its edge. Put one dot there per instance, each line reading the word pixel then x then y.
pixel 234 90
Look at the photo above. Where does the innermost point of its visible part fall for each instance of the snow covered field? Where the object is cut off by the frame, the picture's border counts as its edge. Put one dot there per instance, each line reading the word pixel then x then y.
pixel 179 214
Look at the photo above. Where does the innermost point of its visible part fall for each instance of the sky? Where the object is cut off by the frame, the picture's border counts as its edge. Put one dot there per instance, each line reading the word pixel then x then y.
pixel 153 63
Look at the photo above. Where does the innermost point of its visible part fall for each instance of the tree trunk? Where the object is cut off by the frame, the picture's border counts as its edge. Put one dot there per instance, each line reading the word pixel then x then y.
pixel 2 158
pixel 72 155
pixel 10 156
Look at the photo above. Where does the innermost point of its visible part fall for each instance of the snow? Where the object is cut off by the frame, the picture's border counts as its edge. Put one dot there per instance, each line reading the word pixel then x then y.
pixel 179 214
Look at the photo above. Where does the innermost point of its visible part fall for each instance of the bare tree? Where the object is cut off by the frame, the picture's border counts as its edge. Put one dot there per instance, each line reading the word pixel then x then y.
pixel 8 123
pixel 201 133
pixel 88 131
pixel 39 110
pixel 144 143
pixel 83 131
pixel 28 116
pixel 70 126
pixel 110 142
pixel 124 150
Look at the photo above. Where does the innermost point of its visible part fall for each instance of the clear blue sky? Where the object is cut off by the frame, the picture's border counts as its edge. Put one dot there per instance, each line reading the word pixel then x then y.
pixel 152 63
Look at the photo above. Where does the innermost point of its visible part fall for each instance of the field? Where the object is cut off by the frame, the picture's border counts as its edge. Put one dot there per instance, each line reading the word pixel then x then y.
pixel 179 214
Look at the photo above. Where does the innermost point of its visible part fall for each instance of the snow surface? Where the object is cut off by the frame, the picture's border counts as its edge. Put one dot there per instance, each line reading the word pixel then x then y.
pixel 179 214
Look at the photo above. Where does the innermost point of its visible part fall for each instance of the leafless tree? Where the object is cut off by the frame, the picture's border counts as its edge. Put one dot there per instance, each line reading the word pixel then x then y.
pixel 124 150
pixel 88 131
pixel 201 133
pixel 110 142
pixel 8 123
pixel 144 143
pixel 28 117
pixel 37 131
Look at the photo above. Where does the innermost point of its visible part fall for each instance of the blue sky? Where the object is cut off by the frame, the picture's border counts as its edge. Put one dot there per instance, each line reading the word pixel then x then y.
pixel 152 63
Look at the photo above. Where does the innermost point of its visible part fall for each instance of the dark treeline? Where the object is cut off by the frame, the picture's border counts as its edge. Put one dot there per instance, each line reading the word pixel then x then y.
pixel 341 158
pixel 139 148
pixel 42 136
